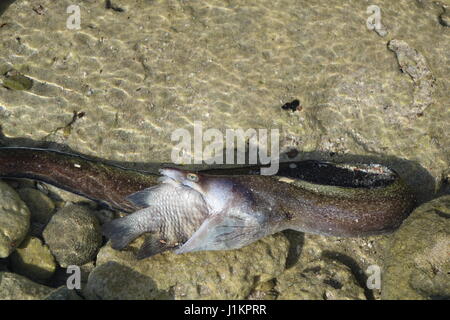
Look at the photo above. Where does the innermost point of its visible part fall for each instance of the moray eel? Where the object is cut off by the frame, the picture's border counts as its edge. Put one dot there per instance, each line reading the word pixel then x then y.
pixel 221 209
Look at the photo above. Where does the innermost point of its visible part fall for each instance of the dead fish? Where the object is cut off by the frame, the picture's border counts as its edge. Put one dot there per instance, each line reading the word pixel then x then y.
pixel 223 209
pixel 176 209
pixel 193 211
pixel 172 212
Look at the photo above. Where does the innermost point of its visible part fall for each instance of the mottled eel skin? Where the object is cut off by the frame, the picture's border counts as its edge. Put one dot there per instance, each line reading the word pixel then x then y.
pixel 107 184
pixel 234 207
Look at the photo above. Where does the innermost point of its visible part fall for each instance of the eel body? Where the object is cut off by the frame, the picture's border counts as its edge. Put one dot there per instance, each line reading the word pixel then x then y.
pixel 104 183
pixel 224 209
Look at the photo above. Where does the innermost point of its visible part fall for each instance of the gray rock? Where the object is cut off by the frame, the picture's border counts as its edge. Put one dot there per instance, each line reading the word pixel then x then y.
pixel 33 260
pixel 415 65
pixel 14 220
pixel 85 270
pixel 329 267
pixel 63 293
pixel 418 259
pixel 317 280
pixel 61 197
pixel 200 275
pixel 41 207
pixel 73 235
pixel 17 287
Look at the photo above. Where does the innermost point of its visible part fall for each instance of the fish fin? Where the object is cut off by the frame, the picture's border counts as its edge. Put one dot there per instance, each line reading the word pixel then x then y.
pixel 121 232
pixel 152 245
pixel 154 194
pixel 142 198
pixel 223 232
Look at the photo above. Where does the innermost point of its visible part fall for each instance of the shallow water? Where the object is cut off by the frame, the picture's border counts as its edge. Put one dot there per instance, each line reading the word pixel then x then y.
pixel 139 74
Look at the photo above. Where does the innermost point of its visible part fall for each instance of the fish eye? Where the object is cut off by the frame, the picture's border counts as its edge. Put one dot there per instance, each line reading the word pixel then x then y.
pixel 193 177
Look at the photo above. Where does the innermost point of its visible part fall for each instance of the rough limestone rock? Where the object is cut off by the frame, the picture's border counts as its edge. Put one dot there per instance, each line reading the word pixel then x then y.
pixel 14 220
pixel 414 64
pixel 17 287
pixel 317 280
pixel 41 207
pixel 418 260
pixel 33 259
pixel 73 235
pixel 199 275
pixel 63 293
pixel 329 268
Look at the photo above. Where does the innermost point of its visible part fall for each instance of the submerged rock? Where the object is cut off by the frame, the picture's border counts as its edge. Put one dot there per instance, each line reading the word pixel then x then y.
pixel 328 268
pixel 415 65
pixel 14 220
pixel 63 293
pixel 41 207
pixel 73 235
pixel 317 280
pixel 200 275
pixel 17 287
pixel 15 80
pixel 418 260
pixel 33 259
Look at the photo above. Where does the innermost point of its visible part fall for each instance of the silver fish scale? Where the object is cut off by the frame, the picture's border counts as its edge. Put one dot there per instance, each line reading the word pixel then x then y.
pixel 175 211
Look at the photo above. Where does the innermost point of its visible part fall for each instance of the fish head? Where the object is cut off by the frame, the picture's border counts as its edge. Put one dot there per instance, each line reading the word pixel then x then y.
pixel 189 179
pixel 216 191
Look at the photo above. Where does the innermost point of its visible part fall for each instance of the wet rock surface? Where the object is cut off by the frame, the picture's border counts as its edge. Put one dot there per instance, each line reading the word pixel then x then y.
pixel 415 65
pixel 418 255
pixel 73 235
pixel 202 275
pixel 63 293
pixel 319 280
pixel 329 267
pixel 33 259
pixel 41 207
pixel 14 220
pixel 17 287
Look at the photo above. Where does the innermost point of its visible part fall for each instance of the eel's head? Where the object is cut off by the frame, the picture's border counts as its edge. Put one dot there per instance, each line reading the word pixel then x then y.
pixel 216 191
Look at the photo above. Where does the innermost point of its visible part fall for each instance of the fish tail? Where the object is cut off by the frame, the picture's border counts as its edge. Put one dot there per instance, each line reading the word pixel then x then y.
pixel 122 231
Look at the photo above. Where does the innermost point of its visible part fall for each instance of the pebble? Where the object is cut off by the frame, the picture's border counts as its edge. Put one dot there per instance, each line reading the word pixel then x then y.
pixel 33 259
pixel 14 220
pixel 73 235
